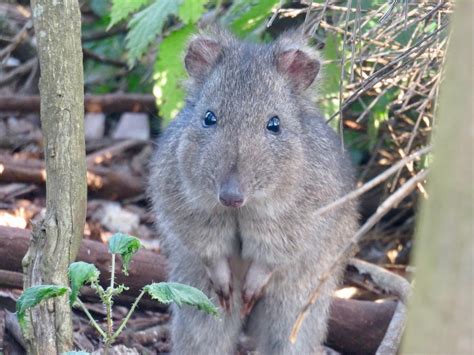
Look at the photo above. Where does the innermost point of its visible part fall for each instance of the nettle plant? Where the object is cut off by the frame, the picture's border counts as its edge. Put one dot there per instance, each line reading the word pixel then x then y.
pixel 82 273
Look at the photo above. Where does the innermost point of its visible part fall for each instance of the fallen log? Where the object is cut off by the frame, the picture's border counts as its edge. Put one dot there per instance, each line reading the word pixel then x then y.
pixel 108 103
pixel 355 327
pixel 146 266
pixel 102 181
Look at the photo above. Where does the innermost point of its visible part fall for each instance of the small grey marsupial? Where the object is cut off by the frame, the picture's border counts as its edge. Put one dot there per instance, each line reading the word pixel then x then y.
pixel 235 183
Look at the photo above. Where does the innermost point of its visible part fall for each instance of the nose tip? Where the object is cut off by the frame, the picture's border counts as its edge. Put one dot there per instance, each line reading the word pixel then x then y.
pixel 231 200
pixel 230 192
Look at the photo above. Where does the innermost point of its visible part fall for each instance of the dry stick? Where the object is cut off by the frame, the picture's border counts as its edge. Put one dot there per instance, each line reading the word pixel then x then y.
pixel 372 183
pixel 388 281
pixel 385 71
pixel 355 39
pixel 404 152
pixel 393 284
pixel 275 14
pixel 18 71
pixel 393 335
pixel 16 41
pixel 341 85
pixel 319 18
pixel 382 210
pixel 107 153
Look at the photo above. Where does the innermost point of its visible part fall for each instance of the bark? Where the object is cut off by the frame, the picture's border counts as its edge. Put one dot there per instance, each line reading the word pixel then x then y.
pixel 440 313
pixel 55 241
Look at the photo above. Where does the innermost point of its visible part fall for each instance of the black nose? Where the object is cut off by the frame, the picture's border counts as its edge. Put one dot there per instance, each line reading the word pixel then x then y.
pixel 231 200
pixel 230 192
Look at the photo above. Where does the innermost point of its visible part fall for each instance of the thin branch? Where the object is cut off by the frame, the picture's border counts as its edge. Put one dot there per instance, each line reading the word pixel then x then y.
pixel 382 210
pixel 374 182
pixel 393 335
pixel 92 320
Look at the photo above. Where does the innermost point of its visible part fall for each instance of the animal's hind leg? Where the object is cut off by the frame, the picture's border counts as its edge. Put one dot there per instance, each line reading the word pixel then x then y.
pixel 272 319
pixel 197 333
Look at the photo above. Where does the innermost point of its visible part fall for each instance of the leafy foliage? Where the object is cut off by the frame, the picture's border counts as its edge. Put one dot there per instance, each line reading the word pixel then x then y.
pixel 122 8
pixel 33 296
pixel 80 273
pixel 168 292
pixel 126 246
pixel 191 10
pixel 147 24
pixel 169 72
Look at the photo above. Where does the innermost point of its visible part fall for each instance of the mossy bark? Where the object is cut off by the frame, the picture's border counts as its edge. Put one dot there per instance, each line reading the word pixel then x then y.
pixel 441 312
pixel 57 237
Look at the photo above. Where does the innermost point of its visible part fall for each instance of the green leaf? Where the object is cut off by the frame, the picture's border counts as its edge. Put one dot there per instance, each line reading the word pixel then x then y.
pixel 147 24
pixel 126 246
pixel 79 274
pixel 122 8
pixel 168 292
pixel 169 72
pixel 244 16
pixel 190 11
pixel 33 296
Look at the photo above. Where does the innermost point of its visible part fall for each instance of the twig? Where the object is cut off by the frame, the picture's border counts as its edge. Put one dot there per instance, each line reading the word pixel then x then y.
pixel 107 153
pixel 102 59
pixel 19 37
pixel 129 314
pixel 382 210
pixel 390 68
pixel 17 72
pixel 341 84
pixel 393 335
pixel 386 280
pixel 372 183
pixel 91 319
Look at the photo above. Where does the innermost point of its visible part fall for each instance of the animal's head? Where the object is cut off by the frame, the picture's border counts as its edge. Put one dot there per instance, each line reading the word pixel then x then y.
pixel 242 138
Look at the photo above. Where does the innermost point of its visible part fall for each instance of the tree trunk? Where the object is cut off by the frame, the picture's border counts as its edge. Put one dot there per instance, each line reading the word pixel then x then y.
pixel 441 313
pixel 56 239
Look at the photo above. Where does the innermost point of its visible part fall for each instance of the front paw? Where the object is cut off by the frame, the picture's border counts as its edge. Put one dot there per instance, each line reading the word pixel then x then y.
pixel 224 294
pixel 220 277
pixel 255 281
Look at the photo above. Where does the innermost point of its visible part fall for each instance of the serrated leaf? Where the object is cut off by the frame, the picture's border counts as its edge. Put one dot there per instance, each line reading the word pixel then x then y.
pixel 147 24
pixel 79 274
pixel 126 246
pixel 190 11
pixel 122 8
pixel 244 16
pixel 169 292
pixel 33 296
pixel 169 71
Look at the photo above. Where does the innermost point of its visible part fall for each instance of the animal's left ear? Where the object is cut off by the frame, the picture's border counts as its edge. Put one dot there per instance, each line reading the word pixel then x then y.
pixel 299 63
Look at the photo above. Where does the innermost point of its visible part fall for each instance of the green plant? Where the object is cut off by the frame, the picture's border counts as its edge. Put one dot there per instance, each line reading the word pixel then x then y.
pixel 82 273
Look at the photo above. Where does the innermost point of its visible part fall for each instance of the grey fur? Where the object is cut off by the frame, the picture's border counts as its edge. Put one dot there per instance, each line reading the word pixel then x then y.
pixel 272 248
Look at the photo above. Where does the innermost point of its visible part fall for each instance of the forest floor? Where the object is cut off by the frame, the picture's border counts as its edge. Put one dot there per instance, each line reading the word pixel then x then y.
pixel 118 151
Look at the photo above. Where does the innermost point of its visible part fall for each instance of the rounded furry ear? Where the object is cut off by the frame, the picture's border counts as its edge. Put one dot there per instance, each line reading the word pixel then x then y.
pixel 203 52
pixel 298 62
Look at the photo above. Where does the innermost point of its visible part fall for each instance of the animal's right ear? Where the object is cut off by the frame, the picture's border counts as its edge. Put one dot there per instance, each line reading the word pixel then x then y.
pixel 203 52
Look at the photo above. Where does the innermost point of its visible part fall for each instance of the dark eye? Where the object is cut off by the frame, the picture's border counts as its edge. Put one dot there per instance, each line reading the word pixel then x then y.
pixel 209 119
pixel 273 125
